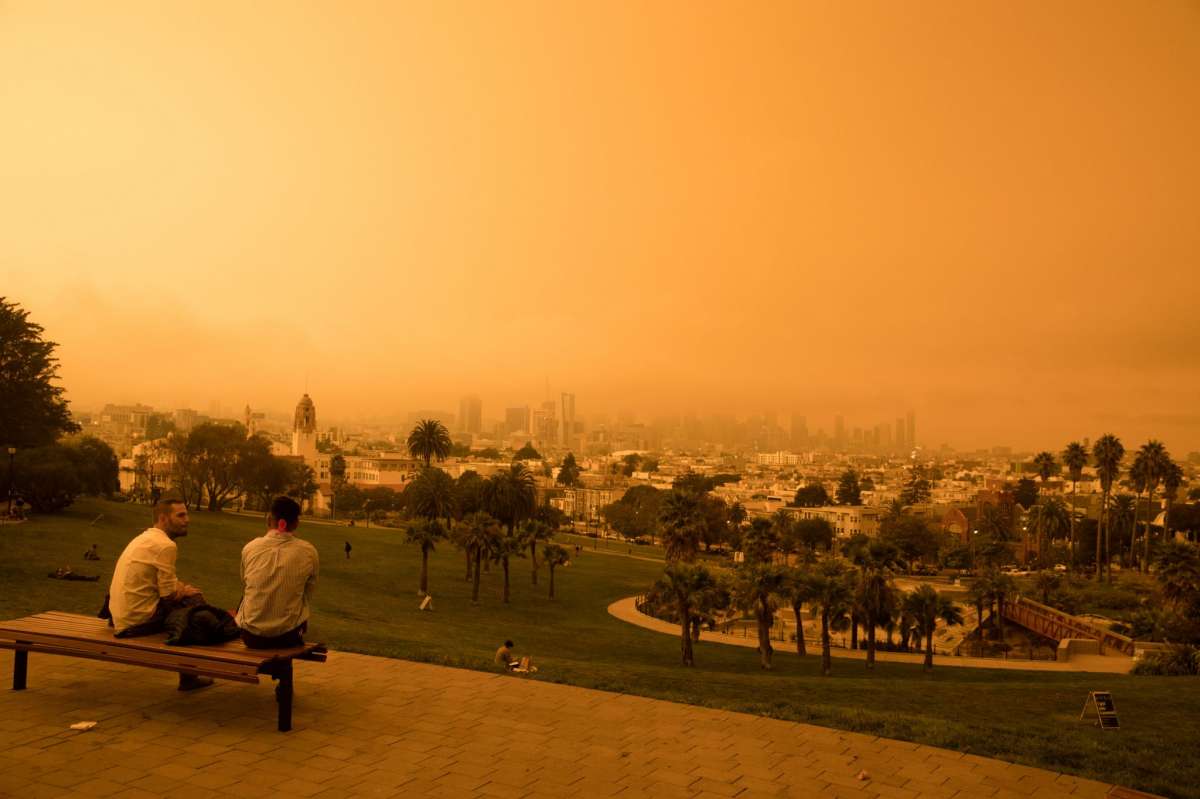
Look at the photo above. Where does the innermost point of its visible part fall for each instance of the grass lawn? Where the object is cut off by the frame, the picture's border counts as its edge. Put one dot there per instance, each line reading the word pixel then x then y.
pixel 369 604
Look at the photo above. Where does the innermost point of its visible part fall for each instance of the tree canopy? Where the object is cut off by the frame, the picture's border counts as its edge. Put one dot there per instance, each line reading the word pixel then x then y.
pixel 848 490
pixel 33 412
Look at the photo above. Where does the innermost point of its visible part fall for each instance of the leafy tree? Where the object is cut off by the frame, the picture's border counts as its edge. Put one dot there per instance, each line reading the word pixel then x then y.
pixel 568 471
pixel 848 490
pixel 159 425
pixel 96 465
pixel 487 454
pixel 688 585
pixel 1046 582
pixel 527 453
pixel 812 495
pixel 425 533
pixel 917 488
pixel 1074 458
pixel 352 499
pixel 1107 453
pixel 45 477
pixel 380 500
pixel 429 439
pixel 555 556
pixel 694 483
pixel 756 584
pixel 33 412
pixel 468 493
pixel 550 516
pixel 650 465
pixel 911 535
pixel 262 476
pixel 217 452
pixel 635 515
pixel 927 607
pixel 1026 492
pixel 813 534
pixel 303 482
pixel 629 464
pixel 832 592
pixel 1172 480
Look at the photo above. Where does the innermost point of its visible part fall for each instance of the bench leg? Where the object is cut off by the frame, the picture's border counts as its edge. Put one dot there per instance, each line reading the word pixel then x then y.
pixel 283 694
pixel 20 668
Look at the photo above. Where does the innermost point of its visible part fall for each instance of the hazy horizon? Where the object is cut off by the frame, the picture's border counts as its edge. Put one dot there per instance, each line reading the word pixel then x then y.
pixel 983 213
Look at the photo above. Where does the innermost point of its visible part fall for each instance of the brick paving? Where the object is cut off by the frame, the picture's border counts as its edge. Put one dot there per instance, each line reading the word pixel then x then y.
pixel 367 726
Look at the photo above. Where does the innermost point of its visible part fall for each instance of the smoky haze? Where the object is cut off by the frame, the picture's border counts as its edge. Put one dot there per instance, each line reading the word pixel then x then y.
pixel 984 212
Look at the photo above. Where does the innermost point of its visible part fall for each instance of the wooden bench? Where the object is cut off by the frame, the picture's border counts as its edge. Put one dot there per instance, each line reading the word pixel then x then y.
pixel 78 636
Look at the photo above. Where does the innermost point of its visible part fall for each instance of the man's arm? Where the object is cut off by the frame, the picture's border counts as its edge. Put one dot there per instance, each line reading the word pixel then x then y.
pixel 168 585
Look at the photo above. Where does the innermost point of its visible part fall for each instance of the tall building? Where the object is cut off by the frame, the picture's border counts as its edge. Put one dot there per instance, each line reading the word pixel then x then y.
pixel 304 429
pixel 567 421
pixel 470 414
pixel 839 432
pixel 517 420
pixel 799 431
pixel 901 436
pixel 910 435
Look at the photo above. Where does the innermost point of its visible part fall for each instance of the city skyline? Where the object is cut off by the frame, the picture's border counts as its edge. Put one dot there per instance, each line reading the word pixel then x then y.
pixel 981 215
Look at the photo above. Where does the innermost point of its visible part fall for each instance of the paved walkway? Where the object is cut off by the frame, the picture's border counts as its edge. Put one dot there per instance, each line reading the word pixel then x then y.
pixel 369 726
pixel 626 610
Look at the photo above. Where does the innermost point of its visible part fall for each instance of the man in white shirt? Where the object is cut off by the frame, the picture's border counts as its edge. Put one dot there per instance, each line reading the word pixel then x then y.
pixel 144 587
pixel 279 575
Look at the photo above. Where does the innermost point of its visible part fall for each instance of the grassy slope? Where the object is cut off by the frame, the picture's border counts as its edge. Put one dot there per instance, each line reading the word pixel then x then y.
pixel 369 604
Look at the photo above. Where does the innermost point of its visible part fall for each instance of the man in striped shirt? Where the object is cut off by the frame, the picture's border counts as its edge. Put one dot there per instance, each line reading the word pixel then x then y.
pixel 279 574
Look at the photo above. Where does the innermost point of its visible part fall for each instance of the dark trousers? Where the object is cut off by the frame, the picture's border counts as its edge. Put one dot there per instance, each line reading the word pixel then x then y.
pixel 288 639
pixel 154 624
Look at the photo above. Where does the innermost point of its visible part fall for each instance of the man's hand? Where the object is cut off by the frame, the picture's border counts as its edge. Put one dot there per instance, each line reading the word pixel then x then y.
pixel 183 591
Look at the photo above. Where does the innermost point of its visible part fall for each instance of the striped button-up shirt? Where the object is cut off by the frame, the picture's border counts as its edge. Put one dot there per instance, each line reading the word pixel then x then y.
pixel 144 573
pixel 279 574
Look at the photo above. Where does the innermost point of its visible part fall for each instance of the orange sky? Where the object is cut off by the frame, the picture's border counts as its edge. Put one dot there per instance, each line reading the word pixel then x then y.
pixel 983 211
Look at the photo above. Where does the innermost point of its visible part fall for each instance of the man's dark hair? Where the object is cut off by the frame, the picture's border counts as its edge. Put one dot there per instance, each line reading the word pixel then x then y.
pixel 287 510
pixel 508 644
pixel 163 506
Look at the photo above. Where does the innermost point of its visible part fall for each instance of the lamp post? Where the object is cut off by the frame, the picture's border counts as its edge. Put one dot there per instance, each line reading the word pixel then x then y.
pixel 12 451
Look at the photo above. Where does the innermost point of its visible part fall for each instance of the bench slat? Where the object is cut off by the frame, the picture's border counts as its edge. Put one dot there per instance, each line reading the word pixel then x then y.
pixel 135 659
pixel 180 655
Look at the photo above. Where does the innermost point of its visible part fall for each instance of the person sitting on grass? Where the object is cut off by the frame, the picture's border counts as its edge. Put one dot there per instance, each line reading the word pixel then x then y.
pixel 504 656
pixel 91 554
pixel 279 575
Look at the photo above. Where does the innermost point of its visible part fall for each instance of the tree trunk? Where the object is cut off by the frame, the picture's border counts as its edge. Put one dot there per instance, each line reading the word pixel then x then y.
pixel 424 571
pixel 533 560
pixel 801 646
pixel 929 649
pixel 552 580
pixel 504 563
pixel 826 664
pixel 1000 622
pixel 870 646
pixel 765 650
pixel 685 637
pixel 1074 553
pixel 853 631
pixel 1108 543
pixel 695 627
pixel 1149 521
pixel 1100 537
pixel 475 589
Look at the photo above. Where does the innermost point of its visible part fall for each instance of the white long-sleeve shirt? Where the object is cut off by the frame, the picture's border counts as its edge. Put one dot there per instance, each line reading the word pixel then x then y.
pixel 279 575
pixel 145 572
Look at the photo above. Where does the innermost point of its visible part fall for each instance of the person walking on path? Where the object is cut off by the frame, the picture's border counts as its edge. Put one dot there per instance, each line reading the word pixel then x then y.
pixel 348 548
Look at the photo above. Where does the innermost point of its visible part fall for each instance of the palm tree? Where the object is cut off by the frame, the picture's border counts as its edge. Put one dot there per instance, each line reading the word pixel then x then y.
pixel 1172 481
pixel 679 520
pixel 875 595
pixel 432 495
pixel 799 591
pixel 1049 518
pixel 1107 452
pixel 1177 564
pixel 425 533
pixel 429 439
pixel 1123 516
pixel 1046 466
pixel 507 547
pixel 511 495
pixel 1156 458
pixel 1046 581
pixel 756 585
pixel 832 594
pixel 555 556
pixel 927 607
pixel 534 532
pixel 1074 457
pixel 687 584
pixel 1138 480
pixel 481 537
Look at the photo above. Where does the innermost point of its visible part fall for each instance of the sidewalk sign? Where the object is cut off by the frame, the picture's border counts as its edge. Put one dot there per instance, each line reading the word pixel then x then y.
pixel 1106 711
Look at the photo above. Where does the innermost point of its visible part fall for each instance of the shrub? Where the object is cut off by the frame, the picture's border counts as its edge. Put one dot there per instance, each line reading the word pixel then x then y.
pixel 1175 661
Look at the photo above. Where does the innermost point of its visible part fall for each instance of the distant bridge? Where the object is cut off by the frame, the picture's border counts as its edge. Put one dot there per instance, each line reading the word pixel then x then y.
pixel 1051 623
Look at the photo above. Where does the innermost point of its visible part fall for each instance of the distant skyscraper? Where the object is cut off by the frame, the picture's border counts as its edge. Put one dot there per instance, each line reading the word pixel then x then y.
pixel 799 431
pixel 470 414
pixel 901 436
pixel 910 437
pixel 839 431
pixel 517 420
pixel 567 420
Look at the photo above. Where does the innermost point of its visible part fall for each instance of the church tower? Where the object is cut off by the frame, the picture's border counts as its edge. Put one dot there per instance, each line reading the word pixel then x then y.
pixel 304 429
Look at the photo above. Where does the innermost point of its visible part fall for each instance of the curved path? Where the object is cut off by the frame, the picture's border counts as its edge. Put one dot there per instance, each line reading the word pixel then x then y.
pixel 626 610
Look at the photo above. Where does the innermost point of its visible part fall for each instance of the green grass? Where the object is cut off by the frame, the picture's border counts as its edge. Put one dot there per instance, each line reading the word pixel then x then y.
pixel 369 604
